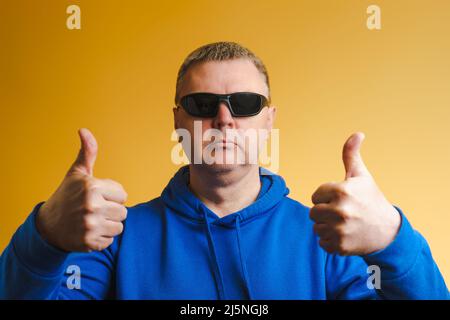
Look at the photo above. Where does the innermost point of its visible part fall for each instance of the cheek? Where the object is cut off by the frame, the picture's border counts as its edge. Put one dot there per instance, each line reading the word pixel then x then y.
pixel 256 122
pixel 206 124
pixel 197 128
pixel 192 123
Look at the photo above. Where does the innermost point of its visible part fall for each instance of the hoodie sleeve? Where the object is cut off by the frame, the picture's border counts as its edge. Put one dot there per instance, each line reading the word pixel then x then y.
pixel 31 268
pixel 406 271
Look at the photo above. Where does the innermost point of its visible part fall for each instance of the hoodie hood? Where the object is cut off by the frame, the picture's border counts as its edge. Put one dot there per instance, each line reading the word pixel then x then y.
pixel 180 198
pixel 182 201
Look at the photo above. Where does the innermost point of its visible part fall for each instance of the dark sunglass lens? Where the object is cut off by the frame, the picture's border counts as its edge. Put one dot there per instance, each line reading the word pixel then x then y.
pixel 200 105
pixel 245 104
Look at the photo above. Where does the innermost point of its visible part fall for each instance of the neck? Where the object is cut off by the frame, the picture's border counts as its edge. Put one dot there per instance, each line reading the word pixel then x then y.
pixel 225 192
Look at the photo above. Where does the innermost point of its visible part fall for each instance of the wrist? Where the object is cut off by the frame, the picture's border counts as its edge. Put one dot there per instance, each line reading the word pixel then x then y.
pixel 393 221
pixel 42 226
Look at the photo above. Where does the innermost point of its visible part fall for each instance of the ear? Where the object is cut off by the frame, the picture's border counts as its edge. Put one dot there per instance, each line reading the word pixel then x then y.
pixel 175 117
pixel 271 113
pixel 176 124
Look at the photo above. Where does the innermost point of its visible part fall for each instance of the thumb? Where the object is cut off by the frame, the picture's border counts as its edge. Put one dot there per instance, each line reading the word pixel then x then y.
pixel 88 153
pixel 354 165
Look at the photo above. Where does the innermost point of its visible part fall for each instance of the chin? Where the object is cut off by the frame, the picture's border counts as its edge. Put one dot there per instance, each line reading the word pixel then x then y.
pixel 219 169
pixel 220 165
pixel 222 168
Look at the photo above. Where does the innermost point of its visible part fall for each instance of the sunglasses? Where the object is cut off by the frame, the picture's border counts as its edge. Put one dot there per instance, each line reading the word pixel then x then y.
pixel 240 104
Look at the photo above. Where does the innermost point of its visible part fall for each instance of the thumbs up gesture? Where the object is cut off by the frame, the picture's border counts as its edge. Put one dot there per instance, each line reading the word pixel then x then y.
pixel 84 213
pixel 353 217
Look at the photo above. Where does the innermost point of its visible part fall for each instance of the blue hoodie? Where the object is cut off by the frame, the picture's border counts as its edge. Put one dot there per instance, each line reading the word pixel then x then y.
pixel 174 247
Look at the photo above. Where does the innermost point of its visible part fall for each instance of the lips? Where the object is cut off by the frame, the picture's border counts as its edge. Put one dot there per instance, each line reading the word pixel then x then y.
pixel 225 144
pixel 222 141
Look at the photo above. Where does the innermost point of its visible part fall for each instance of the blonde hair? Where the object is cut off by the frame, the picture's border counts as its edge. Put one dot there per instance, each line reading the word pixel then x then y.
pixel 219 51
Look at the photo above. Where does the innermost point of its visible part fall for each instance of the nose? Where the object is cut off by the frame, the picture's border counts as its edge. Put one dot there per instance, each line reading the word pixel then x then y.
pixel 224 118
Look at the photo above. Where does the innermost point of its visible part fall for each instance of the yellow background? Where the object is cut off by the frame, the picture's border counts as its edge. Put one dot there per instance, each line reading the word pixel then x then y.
pixel 330 76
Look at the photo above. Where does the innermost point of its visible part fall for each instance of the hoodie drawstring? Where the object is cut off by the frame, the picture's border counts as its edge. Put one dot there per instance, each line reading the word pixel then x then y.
pixel 242 258
pixel 217 273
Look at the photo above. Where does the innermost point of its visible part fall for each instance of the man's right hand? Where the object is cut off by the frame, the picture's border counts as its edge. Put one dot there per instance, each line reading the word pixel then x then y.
pixel 84 213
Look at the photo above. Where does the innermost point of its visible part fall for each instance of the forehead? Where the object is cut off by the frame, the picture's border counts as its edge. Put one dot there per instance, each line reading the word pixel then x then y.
pixel 224 77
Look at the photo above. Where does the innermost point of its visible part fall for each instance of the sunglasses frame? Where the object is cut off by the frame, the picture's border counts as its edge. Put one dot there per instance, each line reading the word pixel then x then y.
pixel 225 98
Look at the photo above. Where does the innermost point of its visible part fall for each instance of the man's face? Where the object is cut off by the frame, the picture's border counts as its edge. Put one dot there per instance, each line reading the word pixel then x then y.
pixel 224 77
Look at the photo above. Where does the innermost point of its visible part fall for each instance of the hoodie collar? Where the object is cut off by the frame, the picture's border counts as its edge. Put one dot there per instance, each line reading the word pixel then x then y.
pixel 179 197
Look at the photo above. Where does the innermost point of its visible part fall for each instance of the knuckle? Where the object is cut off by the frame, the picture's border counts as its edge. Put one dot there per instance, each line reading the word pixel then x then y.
pixel 346 215
pixel 88 189
pixel 122 190
pixel 314 197
pixel 343 211
pixel 315 210
pixel 119 228
pixel 341 232
pixel 89 224
pixel 125 213
pixel 88 183
pixel 118 186
pixel 92 185
pixel 343 190
pixel 90 206
pixel 98 245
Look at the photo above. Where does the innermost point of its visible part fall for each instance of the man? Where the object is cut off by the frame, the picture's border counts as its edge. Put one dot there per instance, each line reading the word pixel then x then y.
pixel 219 230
